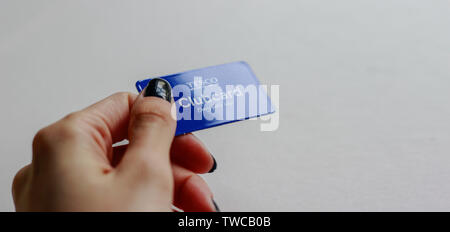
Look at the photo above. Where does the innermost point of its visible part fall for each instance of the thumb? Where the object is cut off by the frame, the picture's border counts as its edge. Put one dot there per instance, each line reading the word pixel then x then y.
pixel 151 131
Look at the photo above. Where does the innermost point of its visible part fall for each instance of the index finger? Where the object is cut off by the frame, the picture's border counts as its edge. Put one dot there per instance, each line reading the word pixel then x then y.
pixel 107 120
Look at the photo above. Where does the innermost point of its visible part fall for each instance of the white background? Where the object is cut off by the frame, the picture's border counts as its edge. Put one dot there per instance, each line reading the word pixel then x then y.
pixel 365 90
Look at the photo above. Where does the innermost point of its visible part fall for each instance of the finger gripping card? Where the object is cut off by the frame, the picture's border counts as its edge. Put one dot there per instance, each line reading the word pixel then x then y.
pixel 215 95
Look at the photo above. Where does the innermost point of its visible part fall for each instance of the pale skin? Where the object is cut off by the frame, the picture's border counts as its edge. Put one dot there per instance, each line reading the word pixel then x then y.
pixel 75 167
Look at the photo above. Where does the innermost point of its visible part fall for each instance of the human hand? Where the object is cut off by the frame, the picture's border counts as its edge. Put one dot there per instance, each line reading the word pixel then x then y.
pixel 76 168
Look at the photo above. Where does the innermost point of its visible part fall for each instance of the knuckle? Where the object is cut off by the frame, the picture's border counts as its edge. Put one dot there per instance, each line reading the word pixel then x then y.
pixel 121 95
pixel 18 182
pixel 42 138
pixel 149 118
pixel 67 128
pixel 152 116
pixel 72 118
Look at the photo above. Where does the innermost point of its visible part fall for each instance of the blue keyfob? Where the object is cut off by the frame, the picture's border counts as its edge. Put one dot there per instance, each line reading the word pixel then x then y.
pixel 216 95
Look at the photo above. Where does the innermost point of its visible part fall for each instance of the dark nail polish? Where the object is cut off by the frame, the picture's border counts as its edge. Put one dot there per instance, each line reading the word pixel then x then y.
pixel 214 167
pixel 158 87
pixel 215 205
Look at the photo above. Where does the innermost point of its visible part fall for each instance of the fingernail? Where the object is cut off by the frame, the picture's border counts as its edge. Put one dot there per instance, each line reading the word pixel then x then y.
pixel 215 205
pixel 214 167
pixel 158 87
